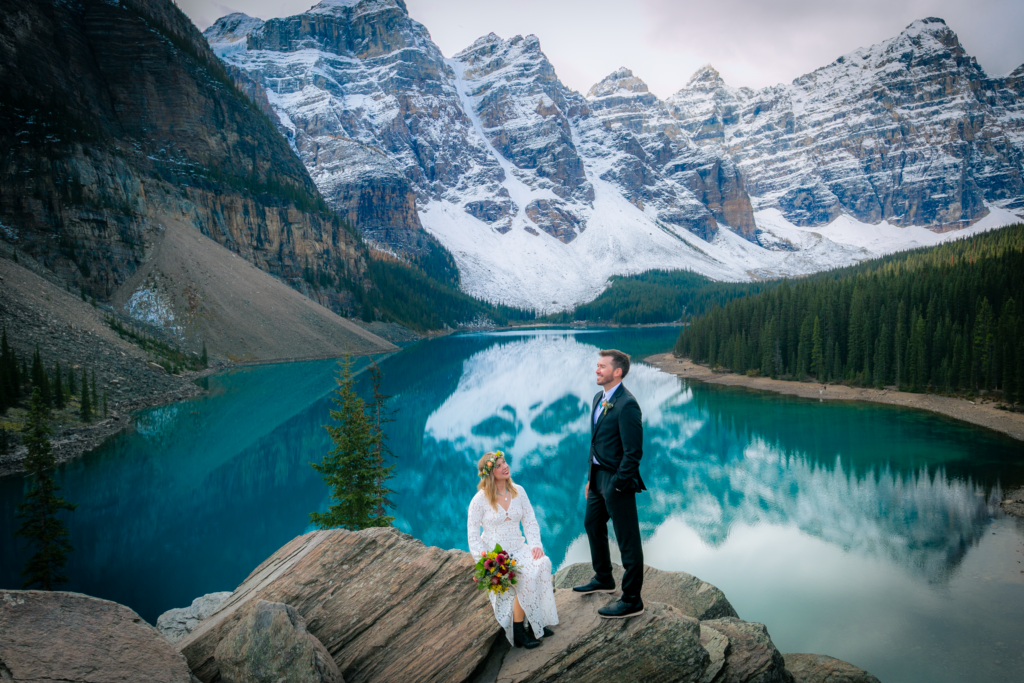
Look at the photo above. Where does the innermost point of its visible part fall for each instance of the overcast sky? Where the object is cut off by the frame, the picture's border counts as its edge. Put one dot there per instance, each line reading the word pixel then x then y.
pixel 751 43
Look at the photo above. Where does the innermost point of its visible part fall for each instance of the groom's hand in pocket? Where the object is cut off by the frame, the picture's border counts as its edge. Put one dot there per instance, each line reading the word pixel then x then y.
pixel 537 553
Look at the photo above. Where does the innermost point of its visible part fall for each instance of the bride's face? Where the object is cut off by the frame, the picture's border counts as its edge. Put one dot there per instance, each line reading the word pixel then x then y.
pixel 501 471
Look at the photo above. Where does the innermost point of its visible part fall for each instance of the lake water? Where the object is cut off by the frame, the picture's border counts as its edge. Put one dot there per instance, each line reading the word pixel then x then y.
pixel 867 532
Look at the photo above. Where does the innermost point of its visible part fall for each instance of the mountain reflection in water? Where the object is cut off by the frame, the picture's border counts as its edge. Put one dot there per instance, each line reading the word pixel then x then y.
pixel 867 532
pixel 706 464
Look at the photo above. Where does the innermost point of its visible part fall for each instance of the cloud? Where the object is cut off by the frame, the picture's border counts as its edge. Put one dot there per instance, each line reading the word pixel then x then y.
pixel 760 44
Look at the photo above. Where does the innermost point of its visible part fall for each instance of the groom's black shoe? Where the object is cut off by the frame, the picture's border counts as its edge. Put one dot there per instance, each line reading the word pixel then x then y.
pixel 622 609
pixel 595 586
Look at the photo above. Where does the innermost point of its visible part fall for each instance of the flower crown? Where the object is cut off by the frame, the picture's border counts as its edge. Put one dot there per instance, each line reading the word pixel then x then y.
pixel 485 471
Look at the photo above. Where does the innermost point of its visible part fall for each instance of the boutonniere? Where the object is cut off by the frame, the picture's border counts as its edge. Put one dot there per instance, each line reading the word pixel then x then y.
pixel 605 405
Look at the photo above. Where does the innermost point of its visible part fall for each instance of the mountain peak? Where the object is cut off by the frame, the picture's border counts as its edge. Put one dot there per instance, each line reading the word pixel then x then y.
pixel 621 81
pixel 336 6
pixel 928 23
pixel 232 28
pixel 705 77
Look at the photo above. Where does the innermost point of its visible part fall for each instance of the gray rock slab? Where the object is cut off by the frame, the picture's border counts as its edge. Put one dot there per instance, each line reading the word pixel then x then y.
pixel 807 668
pixel 751 656
pixel 69 637
pixel 386 607
pixel 685 592
pixel 177 623
pixel 661 645
pixel 272 644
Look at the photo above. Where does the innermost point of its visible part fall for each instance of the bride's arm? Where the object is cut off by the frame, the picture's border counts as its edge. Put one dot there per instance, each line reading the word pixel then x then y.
pixel 530 526
pixel 475 521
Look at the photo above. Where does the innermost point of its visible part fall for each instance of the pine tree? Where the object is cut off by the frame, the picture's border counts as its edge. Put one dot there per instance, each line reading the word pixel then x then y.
pixel 817 357
pixel 8 380
pixel 85 409
pixel 104 403
pixel 204 360
pixel 40 525
pixel 72 389
pixel 58 387
pixel 381 416
pixel 93 397
pixel 39 379
pixel 351 467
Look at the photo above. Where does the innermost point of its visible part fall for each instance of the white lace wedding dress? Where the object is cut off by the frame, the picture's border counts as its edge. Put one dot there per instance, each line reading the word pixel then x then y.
pixel 533 577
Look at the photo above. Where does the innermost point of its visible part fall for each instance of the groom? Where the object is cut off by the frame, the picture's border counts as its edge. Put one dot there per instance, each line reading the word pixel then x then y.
pixel 616 446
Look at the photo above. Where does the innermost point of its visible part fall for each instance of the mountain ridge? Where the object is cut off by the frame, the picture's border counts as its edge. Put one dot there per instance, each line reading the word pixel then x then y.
pixel 513 171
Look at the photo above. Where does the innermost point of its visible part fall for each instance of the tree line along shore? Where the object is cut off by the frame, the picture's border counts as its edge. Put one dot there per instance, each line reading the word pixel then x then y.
pixel 944 320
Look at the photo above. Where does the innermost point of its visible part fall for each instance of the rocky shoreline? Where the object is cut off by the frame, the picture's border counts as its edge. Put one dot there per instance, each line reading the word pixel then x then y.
pixel 379 606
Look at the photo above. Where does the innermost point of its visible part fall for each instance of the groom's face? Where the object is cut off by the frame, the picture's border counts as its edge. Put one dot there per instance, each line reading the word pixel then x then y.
pixel 607 374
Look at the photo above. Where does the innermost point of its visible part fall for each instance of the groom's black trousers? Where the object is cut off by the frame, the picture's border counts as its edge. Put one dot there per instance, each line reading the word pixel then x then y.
pixel 604 503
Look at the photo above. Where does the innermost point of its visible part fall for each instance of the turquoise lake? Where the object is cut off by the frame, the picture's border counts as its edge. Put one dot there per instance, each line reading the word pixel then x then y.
pixel 867 532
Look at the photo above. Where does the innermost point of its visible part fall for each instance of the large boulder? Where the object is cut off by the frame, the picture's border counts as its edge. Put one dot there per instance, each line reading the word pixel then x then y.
pixel 661 645
pixel 685 592
pixel 177 623
pixel 750 656
pixel 807 668
pixel 57 636
pixel 271 644
pixel 386 607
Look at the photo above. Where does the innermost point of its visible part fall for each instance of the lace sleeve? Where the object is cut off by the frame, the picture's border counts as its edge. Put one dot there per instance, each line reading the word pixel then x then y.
pixel 475 521
pixel 530 526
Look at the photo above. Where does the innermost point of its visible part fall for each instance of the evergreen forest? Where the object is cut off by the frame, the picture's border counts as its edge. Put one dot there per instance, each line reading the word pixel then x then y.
pixel 658 296
pixel 944 319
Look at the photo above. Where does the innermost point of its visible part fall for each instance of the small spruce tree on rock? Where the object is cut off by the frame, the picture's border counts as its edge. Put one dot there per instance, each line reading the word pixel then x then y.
pixel 353 468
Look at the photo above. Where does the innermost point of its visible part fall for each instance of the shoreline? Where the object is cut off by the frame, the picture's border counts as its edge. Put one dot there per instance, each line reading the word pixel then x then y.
pixel 980 414
pixel 75 442
pixel 72 443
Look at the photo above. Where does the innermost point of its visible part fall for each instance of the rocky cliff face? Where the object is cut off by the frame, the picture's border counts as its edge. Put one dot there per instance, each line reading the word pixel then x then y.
pixel 657 164
pixel 541 193
pixel 115 114
pixel 368 103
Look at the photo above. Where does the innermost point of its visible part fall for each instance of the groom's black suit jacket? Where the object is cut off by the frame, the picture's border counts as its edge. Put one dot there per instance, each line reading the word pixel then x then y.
pixel 617 439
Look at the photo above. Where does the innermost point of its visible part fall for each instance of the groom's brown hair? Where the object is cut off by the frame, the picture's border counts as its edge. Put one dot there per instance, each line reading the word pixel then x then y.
pixel 620 360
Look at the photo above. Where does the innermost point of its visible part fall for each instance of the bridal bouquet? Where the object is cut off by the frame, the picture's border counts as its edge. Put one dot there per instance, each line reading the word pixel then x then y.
pixel 495 571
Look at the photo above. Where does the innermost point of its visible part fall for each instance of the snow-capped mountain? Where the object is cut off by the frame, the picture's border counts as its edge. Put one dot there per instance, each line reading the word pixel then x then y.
pixel 910 130
pixel 541 193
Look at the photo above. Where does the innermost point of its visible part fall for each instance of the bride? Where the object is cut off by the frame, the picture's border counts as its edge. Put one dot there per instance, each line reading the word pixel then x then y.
pixel 499 506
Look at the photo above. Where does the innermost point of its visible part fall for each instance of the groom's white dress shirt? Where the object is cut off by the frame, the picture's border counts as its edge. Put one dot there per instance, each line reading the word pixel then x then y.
pixel 599 410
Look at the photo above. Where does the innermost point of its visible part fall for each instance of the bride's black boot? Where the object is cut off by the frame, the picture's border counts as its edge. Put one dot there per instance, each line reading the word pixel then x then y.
pixel 531 639
pixel 522 636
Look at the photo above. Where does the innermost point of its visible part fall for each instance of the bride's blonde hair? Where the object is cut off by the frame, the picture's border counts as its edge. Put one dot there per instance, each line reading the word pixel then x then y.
pixel 487 483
